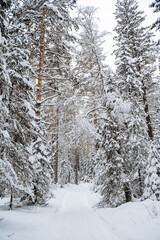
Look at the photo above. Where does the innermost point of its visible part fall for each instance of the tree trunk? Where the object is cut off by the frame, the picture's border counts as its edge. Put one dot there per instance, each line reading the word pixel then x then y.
pixel 76 165
pixel 35 195
pixel 56 154
pixel 127 192
pixel 11 200
pixel 87 143
pixel 140 181
pixel 146 109
pixel 40 69
pixel 52 120
pixel 56 162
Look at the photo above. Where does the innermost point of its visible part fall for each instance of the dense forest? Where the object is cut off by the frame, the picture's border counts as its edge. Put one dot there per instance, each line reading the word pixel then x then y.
pixel 65 115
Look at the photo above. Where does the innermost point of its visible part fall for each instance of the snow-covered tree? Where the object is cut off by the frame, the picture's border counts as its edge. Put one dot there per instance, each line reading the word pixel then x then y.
pixel 113 172
pixel 134 55
pixel 5 84
pixel 134 59
pixel 91 71
pixel 49 28
pixel 152 181
pixel 20 131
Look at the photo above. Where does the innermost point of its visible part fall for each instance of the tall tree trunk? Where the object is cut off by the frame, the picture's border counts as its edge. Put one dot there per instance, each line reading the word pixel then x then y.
pixel 76 165
pixel 146 109
pixel 56 154
pixel 40 69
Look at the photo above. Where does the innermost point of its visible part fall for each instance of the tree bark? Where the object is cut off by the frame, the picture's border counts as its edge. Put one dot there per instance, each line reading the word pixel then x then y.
pixel 40 69
pixel 148 119
pixel 127 192
pixel 76 165
pixel 11 200
pixel 140 181
pixel 56 154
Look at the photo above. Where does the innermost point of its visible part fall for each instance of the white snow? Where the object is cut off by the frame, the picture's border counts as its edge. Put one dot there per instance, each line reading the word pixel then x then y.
pixel 5 134
pixel 53 8
pixel 71 216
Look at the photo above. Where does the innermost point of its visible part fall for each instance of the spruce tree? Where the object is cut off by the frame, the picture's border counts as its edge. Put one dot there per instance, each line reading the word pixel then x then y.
pixel 20 129
pixel 134 55
pixel 5 84
pixel 134 59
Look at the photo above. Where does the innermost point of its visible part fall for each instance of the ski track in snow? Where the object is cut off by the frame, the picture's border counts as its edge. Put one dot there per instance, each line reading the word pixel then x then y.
pixel 71 216
pixel 78 220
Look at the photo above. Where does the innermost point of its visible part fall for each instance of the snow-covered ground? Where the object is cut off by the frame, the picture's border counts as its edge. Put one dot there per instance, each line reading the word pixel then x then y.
pixel 71 216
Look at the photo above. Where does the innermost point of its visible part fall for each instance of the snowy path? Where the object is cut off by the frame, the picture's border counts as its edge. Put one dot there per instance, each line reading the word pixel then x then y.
pixel 78 220
pixel 70 216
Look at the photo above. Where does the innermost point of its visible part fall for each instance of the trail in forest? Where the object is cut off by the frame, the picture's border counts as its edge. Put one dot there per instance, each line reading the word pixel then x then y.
pixel 70 215
pixel 76 219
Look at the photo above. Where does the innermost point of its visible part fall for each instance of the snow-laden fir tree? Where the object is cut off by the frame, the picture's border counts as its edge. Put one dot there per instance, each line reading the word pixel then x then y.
pixel 19 126
pixel 134 59
pixel 152 181
pixel 5 84
pixel 113 172
pixel 134 55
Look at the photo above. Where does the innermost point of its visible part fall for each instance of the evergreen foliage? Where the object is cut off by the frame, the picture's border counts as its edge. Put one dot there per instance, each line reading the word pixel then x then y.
pixel 152 181
pixel 156 5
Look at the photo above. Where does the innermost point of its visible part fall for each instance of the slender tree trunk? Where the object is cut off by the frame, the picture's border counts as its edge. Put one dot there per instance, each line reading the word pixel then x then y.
pixel 146 109
pixel 76 165
pixel 52 120
pixel 127 192
pixel 56 162
pixel 95 114
pixel 35 195
pixel 94 103
pixel 69 178
pixel 11 200
pixel 56 154
pixel 40 69
pixel 87 146
pixel 53 137
pixel 140 181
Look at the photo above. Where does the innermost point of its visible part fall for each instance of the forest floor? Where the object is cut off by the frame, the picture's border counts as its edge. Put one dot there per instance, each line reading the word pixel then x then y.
pixel 71 216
